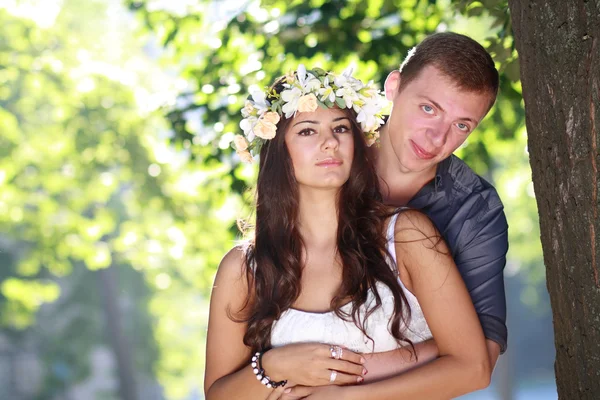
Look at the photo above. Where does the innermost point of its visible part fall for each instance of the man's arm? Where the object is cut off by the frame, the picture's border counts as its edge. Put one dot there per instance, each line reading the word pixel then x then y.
pixel 480 255
pixel 394 362
pixel 478 238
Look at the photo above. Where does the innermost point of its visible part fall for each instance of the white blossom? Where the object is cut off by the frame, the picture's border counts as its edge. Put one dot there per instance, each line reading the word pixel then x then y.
pixel 290 97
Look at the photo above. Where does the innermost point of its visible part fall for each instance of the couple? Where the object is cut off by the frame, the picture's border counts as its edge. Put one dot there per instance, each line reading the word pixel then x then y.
pixel 343 292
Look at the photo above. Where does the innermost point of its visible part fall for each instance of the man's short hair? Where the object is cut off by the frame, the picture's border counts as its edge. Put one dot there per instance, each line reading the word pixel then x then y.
pixel 463 60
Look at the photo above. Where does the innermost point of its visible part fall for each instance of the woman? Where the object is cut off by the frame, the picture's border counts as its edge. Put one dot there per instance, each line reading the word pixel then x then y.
pixel 331 266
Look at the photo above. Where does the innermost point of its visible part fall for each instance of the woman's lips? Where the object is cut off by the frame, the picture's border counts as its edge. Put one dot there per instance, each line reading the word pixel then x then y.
pixel 329 162
pixel 420 152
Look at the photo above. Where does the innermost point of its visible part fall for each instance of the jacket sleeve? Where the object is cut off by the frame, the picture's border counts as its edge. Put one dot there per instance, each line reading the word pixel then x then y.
pixel 481 244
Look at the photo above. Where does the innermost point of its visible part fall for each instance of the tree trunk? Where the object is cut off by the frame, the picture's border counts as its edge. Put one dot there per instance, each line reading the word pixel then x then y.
pixel 559 53
pixel 116 334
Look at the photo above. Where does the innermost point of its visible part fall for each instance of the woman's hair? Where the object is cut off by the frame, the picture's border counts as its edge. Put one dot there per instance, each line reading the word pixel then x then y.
pixel 275 255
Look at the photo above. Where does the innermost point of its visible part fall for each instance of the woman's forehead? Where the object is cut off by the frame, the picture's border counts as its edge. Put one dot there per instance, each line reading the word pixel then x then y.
pixel 321 115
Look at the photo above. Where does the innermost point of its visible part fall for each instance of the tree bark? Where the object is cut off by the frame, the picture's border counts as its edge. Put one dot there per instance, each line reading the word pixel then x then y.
pixel 559 53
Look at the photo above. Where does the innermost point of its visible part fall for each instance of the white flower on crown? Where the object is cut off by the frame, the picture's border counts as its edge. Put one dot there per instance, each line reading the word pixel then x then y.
pixel 248 109
pixel 368 90
pixel 308 82
pixel 345 80
pixel 247 125
pixel 326 92
pixel 311 85
pixel 302 75
pixel 341 81
pixel 348 94
pixel 261 104
pixel 367 117
pixel 291 97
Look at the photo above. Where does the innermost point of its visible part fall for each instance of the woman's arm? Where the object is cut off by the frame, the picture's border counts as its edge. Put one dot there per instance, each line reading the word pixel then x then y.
pixel 430 273
pixel 228 374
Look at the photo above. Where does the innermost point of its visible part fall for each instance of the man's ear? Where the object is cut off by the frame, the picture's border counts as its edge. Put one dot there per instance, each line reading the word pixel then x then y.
pixel 392 84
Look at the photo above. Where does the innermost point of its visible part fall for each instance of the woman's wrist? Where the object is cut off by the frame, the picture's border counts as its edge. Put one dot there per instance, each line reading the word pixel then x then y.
pixel 269 364
pixel 262 375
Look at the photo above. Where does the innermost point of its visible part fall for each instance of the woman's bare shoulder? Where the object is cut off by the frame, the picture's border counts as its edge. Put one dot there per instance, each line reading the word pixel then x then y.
pixel 232 268
pixel 414 225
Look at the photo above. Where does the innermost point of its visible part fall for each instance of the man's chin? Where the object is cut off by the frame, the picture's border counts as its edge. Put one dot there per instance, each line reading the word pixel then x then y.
pixel 416 166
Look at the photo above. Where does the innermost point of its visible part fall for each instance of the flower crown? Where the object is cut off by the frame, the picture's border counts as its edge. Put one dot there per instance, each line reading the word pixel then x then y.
pixel 304 91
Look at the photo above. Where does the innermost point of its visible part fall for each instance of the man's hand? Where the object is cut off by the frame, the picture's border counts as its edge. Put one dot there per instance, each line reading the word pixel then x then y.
pixel 394 362
pixel 314 393
pixel 493 352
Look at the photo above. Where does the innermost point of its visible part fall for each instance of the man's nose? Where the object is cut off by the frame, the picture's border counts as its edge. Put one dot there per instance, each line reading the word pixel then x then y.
pixel 438 133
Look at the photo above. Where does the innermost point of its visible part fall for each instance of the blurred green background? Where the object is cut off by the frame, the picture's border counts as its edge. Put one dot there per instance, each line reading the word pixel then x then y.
pixel 119 193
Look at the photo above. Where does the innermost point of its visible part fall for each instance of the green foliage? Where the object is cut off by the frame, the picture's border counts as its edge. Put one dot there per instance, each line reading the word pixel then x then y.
pixel 86 184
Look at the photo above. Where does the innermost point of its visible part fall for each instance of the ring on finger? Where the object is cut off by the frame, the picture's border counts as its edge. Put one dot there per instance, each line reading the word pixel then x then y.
pixel 333 351
pixel 338 352
pixel 332 376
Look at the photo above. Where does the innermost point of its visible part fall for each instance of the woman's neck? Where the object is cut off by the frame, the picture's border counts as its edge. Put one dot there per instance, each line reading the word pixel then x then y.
pixel 318 216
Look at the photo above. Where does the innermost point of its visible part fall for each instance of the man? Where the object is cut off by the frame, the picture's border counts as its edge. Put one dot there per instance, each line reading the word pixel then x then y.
pixel 444 88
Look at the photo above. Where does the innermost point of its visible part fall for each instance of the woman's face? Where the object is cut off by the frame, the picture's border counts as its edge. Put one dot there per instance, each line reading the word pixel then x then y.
pixel 321 147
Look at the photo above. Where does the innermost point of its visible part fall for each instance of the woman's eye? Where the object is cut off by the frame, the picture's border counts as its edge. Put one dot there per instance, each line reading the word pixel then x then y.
pixel 463 127
pixel 427 108
pixel 306 132
pixel 341 129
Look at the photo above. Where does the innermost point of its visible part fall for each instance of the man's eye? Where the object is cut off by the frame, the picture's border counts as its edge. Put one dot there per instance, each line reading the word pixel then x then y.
pixel 463 127
pixel 428 109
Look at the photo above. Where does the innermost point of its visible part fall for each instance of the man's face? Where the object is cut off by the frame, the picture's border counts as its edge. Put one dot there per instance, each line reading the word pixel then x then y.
pixel 430 118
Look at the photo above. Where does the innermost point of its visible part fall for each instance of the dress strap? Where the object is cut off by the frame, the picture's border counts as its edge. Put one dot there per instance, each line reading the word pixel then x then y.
pixel 391 246
pixel 391 238
pixel 391 235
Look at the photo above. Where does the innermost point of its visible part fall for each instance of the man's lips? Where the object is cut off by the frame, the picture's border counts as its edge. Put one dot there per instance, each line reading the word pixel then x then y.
pixel 329 162
pixel 420 152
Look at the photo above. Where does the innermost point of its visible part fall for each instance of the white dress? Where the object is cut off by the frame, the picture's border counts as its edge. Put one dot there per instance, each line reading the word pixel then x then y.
pixel 296 326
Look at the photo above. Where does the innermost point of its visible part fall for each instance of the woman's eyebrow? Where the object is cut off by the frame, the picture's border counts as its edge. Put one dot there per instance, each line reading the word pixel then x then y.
pixel 340 118
pixel 317 122
pixel 307 122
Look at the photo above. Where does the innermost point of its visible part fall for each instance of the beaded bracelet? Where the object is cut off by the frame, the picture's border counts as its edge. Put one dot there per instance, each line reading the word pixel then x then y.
pixel 260 372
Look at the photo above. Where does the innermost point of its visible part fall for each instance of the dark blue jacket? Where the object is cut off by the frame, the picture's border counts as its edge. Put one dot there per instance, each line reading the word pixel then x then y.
pixel 470 216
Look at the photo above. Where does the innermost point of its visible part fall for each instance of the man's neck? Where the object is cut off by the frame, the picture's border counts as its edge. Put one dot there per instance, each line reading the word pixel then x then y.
pixel 398 187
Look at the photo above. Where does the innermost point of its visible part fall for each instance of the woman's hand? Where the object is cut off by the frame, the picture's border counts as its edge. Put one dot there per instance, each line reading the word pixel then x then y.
pixel 312 364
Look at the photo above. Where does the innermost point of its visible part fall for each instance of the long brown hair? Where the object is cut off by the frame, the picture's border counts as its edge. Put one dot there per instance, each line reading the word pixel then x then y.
pixel 274 256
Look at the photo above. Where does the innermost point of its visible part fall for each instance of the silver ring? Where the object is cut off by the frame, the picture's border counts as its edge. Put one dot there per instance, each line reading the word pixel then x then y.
pixel 333 351
pixel 338 352
pixel 341 352
pixel 332 376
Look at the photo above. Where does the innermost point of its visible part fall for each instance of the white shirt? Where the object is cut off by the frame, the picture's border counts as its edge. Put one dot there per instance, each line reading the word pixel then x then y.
pixel 296 326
